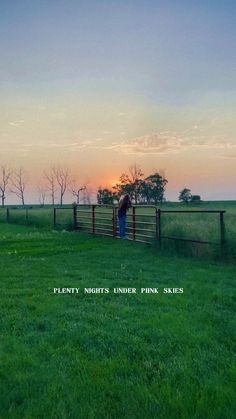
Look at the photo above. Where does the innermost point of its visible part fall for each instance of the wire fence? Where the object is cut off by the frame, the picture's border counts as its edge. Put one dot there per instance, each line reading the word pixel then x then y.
pixel 144 223
pixel 148 223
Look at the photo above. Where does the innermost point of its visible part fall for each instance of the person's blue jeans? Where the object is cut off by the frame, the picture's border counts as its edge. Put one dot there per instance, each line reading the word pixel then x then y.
pixel 122 222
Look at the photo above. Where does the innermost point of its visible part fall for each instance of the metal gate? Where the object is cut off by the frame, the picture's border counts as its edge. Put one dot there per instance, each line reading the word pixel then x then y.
pixel 103 220
pixel 143 222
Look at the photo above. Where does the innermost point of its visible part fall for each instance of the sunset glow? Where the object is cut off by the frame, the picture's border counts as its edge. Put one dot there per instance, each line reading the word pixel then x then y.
pixel 98 87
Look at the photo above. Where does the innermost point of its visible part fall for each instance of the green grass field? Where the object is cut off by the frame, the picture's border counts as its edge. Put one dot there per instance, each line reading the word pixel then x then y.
pixel 105 356
pixel 202 226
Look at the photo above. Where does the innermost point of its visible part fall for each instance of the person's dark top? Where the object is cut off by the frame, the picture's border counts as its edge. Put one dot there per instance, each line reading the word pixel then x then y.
pixel 124 205
pixel 122 212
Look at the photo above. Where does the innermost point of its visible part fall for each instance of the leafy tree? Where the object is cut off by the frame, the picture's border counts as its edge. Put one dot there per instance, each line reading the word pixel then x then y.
pixel 153 188
pixel 195 199
pixel 145 192
pixel 149 190
pixel 130 183
pixel 185 195
pixel 124 186
pixel 105 196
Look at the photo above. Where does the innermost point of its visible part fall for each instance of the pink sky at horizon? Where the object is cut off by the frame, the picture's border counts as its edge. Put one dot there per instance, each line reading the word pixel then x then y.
pixel 117 83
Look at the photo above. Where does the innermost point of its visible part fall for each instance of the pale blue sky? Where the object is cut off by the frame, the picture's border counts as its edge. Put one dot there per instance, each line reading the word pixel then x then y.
pixel 155 47
pixel 118 72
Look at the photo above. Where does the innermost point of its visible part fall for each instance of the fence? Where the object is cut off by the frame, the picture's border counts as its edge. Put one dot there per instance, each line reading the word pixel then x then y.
pixel 103 220
pixel 142 226
pixel 44 217
pixel 144 223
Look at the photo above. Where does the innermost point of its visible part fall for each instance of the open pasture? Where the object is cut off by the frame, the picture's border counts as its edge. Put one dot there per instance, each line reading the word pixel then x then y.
pixel 112 355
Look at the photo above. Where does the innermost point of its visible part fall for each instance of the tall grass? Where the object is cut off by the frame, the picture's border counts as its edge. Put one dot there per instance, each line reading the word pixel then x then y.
pixel 196 226
pixel 39 217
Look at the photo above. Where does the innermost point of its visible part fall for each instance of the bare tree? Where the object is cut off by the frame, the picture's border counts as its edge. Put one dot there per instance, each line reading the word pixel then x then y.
pixel 42 195
pixel 19 182
pixel 136 179
pixel 62 177
pixel 135 172
pixel 76 192
pixel 87 196
pixel 51 184
pixel 4 182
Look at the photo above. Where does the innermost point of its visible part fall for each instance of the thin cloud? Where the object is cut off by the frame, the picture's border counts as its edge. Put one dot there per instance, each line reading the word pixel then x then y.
pixel 227 156
pixel 56 145
pixel 148 144
pixel 17 123
pixel 159 143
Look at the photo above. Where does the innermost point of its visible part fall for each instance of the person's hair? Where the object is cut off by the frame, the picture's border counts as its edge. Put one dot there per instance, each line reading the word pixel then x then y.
pixel 125 202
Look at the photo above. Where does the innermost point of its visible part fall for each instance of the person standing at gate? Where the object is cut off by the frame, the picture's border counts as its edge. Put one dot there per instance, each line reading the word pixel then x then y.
pixel 124 205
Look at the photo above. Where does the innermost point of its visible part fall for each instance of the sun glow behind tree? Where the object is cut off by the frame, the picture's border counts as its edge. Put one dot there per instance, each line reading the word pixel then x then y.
pixel 98 86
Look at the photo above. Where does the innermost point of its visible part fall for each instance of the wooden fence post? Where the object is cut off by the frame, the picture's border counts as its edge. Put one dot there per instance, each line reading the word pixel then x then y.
pixel 8 215
pixel 134 223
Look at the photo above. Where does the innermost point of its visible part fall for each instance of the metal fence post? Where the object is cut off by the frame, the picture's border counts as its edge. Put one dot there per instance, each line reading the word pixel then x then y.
pixel 134 223
pixel 159 225
pixel 222 229
pixel 156 210
pixel 54 217
pixel 114 221
pixel 75 216
pixel 26 215
pixel 93 218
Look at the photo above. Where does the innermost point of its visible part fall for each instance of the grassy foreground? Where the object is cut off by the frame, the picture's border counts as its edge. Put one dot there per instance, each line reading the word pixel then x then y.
pixel 111 355
pixel 197 226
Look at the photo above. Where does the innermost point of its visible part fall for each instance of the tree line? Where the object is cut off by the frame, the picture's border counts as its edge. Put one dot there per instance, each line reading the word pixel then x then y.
pixel 142 190
pixel 186 196
pixel 57 180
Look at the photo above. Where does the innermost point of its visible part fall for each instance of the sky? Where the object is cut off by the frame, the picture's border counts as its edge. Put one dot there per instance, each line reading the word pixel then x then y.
pixel 97 86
